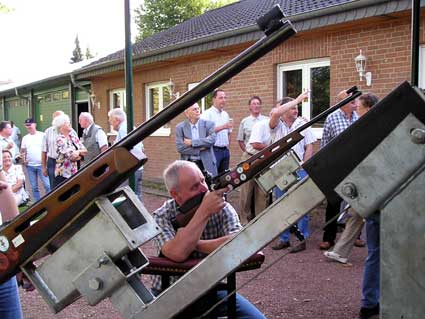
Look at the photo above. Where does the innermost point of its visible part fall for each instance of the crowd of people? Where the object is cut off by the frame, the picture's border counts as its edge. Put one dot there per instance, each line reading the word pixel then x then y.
pixel 203 141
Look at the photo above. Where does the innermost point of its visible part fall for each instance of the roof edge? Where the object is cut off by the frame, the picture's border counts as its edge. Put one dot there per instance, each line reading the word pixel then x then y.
pixel 353 5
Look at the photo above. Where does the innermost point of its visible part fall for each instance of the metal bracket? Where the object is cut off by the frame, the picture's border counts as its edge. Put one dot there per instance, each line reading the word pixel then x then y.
pixel 281 174
pixel 102 258
pixel 99 280
pixel 387 167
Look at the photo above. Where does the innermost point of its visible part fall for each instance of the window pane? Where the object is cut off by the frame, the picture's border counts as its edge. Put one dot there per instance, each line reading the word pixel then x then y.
pixel 166 95
pixel 292 84
pixel 154 101
pixel 116 100
pixel 208 101
pixel 320 81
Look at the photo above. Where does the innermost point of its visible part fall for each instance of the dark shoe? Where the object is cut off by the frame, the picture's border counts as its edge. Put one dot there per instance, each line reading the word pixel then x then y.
pixel 300 247
pixel 366 313
pixel 325 245
pixel 28 286
pixel 281 245
pixel 359 243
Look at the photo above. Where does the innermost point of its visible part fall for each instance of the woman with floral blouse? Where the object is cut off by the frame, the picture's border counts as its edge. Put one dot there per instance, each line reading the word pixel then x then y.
pixel 15 178
pixel 69 149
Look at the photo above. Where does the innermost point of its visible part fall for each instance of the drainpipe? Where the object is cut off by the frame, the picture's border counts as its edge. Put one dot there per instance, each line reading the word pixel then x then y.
pixel 416 16
pixel 28 99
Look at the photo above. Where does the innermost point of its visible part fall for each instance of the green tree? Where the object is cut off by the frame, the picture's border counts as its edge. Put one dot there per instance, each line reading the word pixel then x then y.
pixel 77 56
pixel 158 15
pixel 88 54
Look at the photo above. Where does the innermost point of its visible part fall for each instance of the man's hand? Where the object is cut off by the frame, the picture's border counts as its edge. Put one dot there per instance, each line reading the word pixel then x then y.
pixel 187 141
pixel 3 185
pixel 44 171
pixel 303 96
pixel 213 202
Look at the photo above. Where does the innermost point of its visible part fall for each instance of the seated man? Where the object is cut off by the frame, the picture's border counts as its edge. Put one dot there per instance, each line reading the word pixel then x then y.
pixel 214 222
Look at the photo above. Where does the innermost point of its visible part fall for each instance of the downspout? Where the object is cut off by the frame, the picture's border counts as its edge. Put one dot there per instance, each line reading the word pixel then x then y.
pixel 28 99
pixel 78 85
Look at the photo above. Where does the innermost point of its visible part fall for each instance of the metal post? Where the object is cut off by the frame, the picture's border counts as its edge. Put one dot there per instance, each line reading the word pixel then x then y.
pixel 416 16
pixel 129 76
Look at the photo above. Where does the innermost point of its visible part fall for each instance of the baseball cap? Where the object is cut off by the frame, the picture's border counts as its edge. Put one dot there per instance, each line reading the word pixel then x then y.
pixel 29 121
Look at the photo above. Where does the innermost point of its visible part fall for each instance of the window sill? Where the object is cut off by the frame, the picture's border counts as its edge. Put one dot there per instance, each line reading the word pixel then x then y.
pixel 163 131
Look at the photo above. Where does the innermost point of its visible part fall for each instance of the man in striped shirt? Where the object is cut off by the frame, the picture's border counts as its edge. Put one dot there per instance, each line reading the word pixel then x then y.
pixel 49 152
pixel 335 124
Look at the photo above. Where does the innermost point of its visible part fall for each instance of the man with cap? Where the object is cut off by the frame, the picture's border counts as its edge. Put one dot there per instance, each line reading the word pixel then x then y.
pixel 31 147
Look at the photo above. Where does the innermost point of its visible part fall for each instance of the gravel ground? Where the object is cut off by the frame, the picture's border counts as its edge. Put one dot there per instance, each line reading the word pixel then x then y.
pixel 302 285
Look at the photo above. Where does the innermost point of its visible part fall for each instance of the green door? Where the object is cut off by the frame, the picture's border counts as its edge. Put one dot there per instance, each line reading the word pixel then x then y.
pixel 17 110
pixel 48 102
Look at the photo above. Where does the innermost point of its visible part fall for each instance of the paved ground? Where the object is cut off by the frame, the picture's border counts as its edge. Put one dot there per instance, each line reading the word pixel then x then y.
pixel 302 285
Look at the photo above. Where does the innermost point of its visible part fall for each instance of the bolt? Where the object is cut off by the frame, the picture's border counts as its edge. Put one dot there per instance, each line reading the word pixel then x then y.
pixel 95 284
pixel 102 261
pixel 349 190
pixel 418 136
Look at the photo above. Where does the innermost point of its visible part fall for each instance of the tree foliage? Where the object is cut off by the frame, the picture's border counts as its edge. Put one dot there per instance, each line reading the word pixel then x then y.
pixel 77 56
pixel 158 15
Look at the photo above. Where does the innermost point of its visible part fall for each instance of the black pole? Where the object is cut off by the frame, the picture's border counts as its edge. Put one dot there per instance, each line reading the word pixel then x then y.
pixel 129 75
pixel 416 16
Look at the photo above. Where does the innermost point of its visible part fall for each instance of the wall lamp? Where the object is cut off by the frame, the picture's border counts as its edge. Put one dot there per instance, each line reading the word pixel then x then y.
pixel 361 68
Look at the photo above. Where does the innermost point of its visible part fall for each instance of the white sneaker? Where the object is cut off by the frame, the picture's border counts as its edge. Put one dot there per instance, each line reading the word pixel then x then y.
pixel 334 256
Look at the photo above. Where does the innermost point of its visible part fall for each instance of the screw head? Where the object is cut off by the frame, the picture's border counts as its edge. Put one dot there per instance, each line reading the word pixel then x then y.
pixel 95 284
pixel 349 190
pixel 418 136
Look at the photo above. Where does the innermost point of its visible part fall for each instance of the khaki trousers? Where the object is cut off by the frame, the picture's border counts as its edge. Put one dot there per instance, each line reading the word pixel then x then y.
pixel 353 227
pixel 251 192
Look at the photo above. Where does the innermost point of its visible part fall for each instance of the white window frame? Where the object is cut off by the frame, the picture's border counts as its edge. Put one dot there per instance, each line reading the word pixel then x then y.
pixel 121 93
pixel 163 131
pixel 305 67
pixel 422 67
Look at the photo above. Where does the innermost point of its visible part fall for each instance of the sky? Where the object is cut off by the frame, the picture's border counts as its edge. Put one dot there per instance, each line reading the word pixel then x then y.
pixel 37 36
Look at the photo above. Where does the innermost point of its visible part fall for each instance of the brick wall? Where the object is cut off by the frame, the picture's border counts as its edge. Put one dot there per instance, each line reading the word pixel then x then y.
pixel 386 45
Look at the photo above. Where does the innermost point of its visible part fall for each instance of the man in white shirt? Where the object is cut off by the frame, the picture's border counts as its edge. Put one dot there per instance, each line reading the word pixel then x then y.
pixel 284 120
pixel 223 128
pixel 94 138
pixel 31 151
pixel 118 120
pixel 252 199
pixel 6 142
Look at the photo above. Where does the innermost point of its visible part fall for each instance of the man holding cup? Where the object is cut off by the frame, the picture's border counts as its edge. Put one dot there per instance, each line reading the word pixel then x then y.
pixel 223 128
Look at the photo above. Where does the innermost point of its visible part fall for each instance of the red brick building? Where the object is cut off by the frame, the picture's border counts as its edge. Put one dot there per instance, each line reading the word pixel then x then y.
pixel 319 57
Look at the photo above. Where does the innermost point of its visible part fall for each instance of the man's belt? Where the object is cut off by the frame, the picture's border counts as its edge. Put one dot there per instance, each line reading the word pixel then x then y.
pixel 221 147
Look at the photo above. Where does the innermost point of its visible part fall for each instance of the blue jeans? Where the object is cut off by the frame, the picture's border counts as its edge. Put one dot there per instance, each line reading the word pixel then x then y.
pixel 138 175
pixel 371 275
pixel 303 222
pixel 10 305
pixel 244 309
pixel 222 158
pixel 51 164
pixel 35 172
